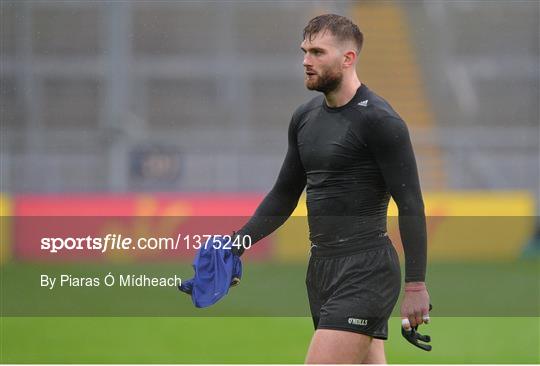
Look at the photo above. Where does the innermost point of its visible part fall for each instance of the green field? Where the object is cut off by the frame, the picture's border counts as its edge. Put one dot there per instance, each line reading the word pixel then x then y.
pixel 271 297
pixel 248 340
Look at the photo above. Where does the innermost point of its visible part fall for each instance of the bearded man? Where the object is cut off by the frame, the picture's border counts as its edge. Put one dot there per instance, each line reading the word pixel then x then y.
pixel 352 152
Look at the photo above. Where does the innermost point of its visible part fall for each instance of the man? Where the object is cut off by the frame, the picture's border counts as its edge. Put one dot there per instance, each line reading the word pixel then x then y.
pixel 353 152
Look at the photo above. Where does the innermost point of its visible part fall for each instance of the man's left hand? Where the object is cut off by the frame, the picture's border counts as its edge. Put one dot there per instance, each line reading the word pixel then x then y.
pixel 415 305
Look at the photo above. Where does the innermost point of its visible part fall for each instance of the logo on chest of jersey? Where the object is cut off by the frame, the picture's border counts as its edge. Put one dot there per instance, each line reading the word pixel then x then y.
pixel 363 103
pixel 356 321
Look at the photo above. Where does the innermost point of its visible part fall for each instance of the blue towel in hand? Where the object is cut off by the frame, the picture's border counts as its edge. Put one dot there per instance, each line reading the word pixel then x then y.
pixel 215 271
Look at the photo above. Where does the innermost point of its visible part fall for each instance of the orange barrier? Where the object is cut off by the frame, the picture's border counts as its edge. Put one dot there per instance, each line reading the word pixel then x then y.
pixel 185 219
pixel 461 225
pixel 5 228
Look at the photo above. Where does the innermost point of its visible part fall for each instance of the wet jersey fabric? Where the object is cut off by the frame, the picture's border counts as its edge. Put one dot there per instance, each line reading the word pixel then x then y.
pixel 351 160
pixel 216 270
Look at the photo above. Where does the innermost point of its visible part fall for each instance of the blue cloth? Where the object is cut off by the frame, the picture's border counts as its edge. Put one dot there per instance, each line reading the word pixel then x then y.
pixel 215 271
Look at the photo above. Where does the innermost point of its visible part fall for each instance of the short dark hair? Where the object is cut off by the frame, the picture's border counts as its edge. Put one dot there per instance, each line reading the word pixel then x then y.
pixel 341 27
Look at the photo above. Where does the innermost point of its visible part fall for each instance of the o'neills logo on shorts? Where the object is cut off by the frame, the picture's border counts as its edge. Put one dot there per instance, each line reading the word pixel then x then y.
pixel 357 321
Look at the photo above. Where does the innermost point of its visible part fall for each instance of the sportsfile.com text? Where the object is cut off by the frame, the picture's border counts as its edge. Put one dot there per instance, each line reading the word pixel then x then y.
pixel 122 242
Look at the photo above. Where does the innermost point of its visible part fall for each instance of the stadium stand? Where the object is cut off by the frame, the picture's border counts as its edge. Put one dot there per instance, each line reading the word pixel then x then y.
pixel 87 86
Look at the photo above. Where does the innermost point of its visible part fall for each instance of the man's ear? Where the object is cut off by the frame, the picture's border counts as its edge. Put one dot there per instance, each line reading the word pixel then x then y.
pixel 349 58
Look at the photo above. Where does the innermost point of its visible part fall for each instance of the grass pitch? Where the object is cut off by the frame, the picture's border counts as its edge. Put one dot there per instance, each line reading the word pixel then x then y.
pixel 271 331
pixel 249 340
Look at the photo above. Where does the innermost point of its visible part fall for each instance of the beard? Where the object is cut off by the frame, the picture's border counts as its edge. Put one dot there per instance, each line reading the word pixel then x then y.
pixel 326 81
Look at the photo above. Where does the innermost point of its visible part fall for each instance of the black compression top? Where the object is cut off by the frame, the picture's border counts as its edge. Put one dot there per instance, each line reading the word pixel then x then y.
pixel 352 159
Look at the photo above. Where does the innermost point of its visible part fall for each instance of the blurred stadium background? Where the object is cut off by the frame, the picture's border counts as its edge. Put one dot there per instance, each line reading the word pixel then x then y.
pixel 180 108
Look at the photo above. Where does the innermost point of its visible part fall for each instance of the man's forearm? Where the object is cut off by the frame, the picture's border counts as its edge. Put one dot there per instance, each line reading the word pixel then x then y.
pixel 414 239
pixel 273 211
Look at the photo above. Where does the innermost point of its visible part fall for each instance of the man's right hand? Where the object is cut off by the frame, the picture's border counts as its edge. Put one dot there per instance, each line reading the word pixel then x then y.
pixel 415 304
pixel 412 336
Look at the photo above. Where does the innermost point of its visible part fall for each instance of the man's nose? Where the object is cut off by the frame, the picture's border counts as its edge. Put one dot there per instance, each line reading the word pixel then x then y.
pixel 307 61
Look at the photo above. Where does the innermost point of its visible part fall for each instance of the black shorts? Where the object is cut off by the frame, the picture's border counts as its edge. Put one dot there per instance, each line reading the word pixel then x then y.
pixel 354 290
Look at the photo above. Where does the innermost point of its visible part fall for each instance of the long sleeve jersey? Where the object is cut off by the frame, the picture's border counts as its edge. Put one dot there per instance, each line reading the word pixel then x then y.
pixel 351 160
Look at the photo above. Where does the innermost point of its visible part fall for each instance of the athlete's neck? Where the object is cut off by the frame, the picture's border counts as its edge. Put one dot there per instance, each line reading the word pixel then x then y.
pixel 343 94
